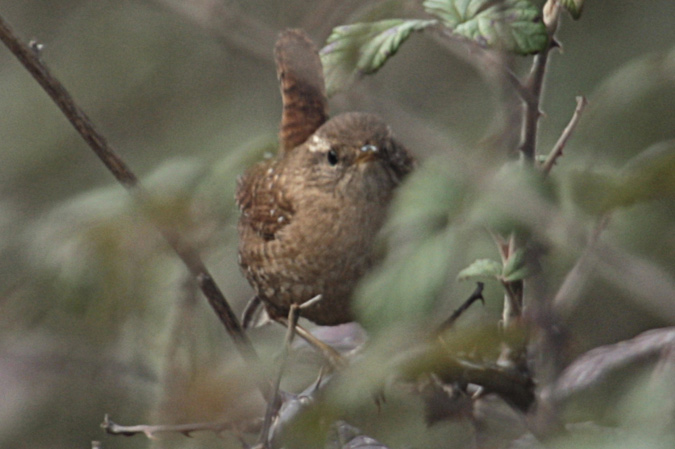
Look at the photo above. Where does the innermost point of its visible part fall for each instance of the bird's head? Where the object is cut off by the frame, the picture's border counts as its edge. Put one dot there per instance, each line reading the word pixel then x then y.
pixel 352 153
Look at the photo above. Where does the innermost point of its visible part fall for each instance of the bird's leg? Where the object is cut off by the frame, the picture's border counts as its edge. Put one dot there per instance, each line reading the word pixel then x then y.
pixel 250 313
pixel 275 399
pixel 334 358
pixel 253 308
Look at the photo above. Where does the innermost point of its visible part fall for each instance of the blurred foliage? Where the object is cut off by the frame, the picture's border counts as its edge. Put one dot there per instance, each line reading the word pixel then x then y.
pixel 574 7
pixel 97 315
pixel 646 177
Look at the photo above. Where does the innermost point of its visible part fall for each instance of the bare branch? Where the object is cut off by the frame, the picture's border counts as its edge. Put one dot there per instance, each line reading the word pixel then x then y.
pixel 513 298
pixel 274 404
pixel 535 84
pixel 511 384
pixel 332 356
pixel 29 56
pixel 151 431
pixel 477 295
pixel 557 150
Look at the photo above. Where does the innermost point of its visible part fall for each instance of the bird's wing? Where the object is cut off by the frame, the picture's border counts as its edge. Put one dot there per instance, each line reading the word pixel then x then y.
pixel 263 204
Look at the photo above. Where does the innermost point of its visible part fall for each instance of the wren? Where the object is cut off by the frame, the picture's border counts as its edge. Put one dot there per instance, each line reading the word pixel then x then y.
pixel 310 215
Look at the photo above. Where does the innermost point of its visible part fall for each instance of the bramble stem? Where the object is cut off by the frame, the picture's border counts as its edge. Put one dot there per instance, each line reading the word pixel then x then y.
pixel 557 150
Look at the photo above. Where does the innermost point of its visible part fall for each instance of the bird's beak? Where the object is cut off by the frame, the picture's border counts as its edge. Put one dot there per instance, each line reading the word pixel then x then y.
pixel 367 153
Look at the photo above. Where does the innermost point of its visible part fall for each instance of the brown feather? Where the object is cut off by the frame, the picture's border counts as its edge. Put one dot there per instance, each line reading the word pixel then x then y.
pixel 303 92
pixel 264 207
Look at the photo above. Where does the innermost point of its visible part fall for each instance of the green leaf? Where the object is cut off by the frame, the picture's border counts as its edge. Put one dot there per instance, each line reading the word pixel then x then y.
pixel 651 174
pixel 515 267
pixel 430 198
pixel 405 289
pixel 592 190
pixel 573 7
pixel 512 25
pixel 646 177
pixel 481 268
pixel 362 48
pixel 515 200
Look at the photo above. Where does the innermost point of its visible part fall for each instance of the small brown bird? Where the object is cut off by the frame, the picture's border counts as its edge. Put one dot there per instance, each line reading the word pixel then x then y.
pixel 309 216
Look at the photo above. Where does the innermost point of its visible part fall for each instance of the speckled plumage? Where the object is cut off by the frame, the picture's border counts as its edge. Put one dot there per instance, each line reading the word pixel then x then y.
pixel 310 215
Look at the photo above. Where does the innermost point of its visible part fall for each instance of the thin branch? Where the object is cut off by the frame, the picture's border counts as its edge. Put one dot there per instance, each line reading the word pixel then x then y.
pixel 151 431
pixel 477 295
pixel 514 386
pixel 523 92
pixel 513 297
pixel 30 58
pixel 532 113
pixel 557 150
pixel 535 84
pixel 510 383
pixel 331 355
pixel 513 302
pixel 274 403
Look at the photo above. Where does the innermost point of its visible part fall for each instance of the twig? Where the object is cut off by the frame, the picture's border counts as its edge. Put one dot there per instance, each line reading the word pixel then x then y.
pixel 333 357
pixel 513 302
pixel 535 83
pixel 30 58
pixel 532 112
pixel 274 403
pixel 523 92
pixel 509 382
pixel 477 295
pixel 514 352
pixel 513 298
pixel 557 150
pixel 150 431
pixel 513 385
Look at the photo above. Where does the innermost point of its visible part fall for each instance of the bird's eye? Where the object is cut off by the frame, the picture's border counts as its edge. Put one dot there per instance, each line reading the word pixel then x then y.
pixel 332 157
